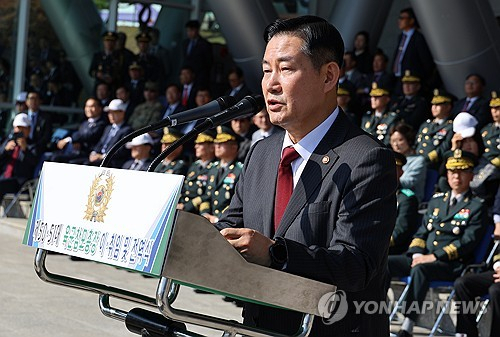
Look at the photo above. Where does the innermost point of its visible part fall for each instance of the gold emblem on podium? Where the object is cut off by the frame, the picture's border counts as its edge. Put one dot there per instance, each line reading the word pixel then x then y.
pixel 99 196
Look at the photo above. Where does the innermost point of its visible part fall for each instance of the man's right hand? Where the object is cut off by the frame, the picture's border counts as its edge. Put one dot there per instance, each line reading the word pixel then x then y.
pixel 10 145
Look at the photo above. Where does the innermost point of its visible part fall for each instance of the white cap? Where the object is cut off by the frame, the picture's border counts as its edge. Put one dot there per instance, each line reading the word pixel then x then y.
pixel 21 97
pixel 21 119
pixel 116 104
pixel 140 140
pixel 465 124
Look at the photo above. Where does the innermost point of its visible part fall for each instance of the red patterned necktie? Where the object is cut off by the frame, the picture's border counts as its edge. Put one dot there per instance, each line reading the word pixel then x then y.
pixel 284 185
pixel 185 96
pixel 9 169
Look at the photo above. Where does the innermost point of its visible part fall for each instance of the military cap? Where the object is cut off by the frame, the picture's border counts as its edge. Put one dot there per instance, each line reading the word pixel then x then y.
pixel 134 65
pixel 170 135
pixel 150 85
pixel 441 97
pixel 378 92
pixel 495 100
pixel 342 90
pixel 205 137
pixel 109 36
pixel 460 160
pixel 409 77
pixel 225 134
pixel 143 37
pixel 400 159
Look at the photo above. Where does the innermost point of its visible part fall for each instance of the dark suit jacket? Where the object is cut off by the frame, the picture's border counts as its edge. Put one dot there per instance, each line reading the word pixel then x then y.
pixel 144 167
pixel 480 109
pixel 24 167
pixel 417 57
pixel 121 155
pixel 336 227
pixel 240 94
pixel 200 59
pixel 88 134
pixel 42 133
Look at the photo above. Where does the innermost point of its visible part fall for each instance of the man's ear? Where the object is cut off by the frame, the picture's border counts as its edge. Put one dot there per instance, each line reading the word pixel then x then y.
pixel 331 75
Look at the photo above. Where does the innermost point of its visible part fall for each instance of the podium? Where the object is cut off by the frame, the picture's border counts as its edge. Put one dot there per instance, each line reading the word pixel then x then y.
pixel 185 250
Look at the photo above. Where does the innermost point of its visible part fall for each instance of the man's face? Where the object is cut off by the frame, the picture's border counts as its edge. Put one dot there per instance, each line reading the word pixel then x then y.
pixel 441 111
pixel 405 22
pixel 379 103
pixel 202 97
pixel 473 86
pixel 291 86
pixel 186 76
pixel 33 101
pixel 140 151
pixel 411 88
pixel 226 151
pixel 173 95
pixel 240 125
pixel 459 180
pixel 379 63
pixel 150 95
pixel 234 80
pixel 204 151
pixel 495 113
pixel 191 32
pixel 261 120
pixel 122 94
pixel 143 46
pixel 175 154
pixel 25 130
pixel 349 62
pixel 135 74
pixel 109 45
pixel 92 109
pixel 102 91
pixel 116 116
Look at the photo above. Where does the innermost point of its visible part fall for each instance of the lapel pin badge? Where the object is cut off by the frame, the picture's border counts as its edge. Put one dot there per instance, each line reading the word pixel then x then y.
pixel 325 160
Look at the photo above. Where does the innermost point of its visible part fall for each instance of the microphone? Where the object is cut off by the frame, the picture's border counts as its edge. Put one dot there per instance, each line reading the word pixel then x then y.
pixel 200 112
pixel 247 107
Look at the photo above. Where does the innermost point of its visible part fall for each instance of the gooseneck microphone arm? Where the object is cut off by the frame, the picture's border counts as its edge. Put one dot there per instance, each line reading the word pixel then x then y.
pixel 247 107
pixel 203 111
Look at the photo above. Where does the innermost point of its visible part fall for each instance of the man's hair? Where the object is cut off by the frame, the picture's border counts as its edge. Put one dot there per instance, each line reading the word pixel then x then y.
pixel 380 52
pixel 481 78
pixel 322 41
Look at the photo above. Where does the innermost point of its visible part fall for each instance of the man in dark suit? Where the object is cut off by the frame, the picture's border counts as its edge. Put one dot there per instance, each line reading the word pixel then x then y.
pixel 140 151
pixel 197 53
pixel 112 134
pixel 189 88
pixel 473 102
pixel 337 224
pixel 237 83
pixel 41 123
pixel 412 52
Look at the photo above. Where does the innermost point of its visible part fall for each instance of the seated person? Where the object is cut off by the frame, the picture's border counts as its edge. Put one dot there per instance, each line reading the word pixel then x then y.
pixel 379 120
pixel 17 159
pixel 415 170
pixel 81 142
pixel 407 218
pixel 173 163
pixel 472 285
pixel 111 135
pixel 149 111
pixel 266 128
pixel 444 244
pixel 140 151
pixel 196 181
pixel 223 175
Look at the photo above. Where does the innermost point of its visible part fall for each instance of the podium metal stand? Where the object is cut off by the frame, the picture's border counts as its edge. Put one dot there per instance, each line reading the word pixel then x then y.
pixel 198 256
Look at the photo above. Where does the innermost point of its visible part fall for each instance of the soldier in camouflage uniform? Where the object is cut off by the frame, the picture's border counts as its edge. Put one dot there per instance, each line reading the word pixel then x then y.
pixel 379 121
pixel 434 136
pixel 451 229
pixel 407 218
pixel 196 180
pixel 173 163
pixel 223 175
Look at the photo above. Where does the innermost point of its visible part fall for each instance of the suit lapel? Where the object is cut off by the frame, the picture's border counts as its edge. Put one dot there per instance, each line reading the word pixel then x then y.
pixel 319 164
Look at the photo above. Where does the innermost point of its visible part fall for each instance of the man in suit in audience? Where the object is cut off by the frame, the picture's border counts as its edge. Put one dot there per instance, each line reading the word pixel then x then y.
pixel 474 102
pixel 41 124
pixel 140 150
pixel 328 210
pixel 236 80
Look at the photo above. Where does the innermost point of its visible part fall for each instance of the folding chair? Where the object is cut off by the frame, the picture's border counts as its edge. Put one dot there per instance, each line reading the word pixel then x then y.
pixel 26 192
pixel 479 256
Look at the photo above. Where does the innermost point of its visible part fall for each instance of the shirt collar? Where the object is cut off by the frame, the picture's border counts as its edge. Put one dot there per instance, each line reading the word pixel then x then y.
pixel 306 146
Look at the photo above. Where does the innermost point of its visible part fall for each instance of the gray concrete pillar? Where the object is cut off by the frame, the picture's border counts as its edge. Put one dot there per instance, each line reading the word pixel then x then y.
pixel 464 38
pixel 242 23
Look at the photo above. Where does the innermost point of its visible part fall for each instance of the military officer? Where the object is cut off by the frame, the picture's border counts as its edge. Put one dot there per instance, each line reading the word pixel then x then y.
pixel 173 163
pixel 411 107
pixel 487 173
pixel 223 175
pixel 379 121
pixel 196 179
pixel 105 66
pixel 407 218
pixel 445 243
pixel 434 136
